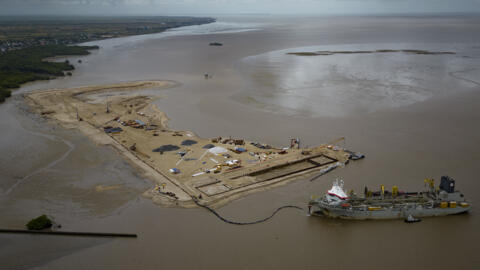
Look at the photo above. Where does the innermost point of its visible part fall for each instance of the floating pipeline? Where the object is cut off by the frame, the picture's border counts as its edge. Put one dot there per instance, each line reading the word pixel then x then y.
pixel 245 223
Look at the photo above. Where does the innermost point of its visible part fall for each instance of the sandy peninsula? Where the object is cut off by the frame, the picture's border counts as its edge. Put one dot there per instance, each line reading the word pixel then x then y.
pixel 182 165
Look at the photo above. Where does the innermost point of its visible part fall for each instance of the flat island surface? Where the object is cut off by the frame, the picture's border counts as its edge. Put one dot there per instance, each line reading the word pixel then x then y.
pixel 183 165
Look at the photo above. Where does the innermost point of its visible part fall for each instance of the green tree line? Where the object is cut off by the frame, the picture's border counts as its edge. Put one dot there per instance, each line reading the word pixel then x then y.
pixel 25 65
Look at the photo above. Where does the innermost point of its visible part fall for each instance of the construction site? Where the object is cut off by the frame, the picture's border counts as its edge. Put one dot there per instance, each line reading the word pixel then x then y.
pixel 185 168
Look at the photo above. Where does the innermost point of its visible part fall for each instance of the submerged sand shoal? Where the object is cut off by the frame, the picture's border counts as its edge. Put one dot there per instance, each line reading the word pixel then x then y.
pixel 213 179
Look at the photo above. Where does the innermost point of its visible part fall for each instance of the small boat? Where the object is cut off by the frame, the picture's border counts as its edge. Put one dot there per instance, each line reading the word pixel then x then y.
pixel 411 219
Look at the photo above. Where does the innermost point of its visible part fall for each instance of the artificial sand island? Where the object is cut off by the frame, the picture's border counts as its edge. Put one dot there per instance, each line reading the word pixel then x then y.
pixel 184 167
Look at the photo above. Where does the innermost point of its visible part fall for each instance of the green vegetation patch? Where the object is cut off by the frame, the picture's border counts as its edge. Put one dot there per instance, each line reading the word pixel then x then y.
pixel 27 31
pixel 39 223
pixel 25 65
pixel 26 40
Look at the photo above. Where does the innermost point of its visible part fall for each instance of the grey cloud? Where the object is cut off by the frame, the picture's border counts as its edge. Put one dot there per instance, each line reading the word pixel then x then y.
pixel 234 6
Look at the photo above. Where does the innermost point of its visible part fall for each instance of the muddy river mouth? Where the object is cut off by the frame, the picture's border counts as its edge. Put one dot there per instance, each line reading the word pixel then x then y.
pixel 413 116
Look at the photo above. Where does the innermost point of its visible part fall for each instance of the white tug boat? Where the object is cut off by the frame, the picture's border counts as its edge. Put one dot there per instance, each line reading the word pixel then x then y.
pixel 383 204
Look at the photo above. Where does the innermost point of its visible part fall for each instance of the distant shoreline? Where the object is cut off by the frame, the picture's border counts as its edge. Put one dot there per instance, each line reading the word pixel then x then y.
pixel 25 57
pixel 26 32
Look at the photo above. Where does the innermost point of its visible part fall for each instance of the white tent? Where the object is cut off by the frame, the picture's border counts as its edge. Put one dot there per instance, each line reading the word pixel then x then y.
pixel 217 150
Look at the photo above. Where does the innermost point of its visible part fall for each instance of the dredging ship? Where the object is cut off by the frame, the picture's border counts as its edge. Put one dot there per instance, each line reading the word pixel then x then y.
pixel 383 204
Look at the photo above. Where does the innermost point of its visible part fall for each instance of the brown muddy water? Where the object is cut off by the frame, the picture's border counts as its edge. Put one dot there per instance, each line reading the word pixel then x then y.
pixel 414 116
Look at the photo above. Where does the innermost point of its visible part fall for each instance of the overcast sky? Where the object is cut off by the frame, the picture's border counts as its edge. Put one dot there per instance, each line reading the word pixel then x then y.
pixel 160 7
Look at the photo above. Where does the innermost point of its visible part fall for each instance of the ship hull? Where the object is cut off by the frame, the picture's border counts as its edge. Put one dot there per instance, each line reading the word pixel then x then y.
pixel 401 213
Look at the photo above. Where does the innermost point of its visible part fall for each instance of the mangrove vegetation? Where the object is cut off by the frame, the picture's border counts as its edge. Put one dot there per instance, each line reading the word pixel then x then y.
pixel 39 223
pixel 29 64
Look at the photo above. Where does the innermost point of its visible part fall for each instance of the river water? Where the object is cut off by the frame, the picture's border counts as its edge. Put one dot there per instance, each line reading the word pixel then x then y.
pixel 414 116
